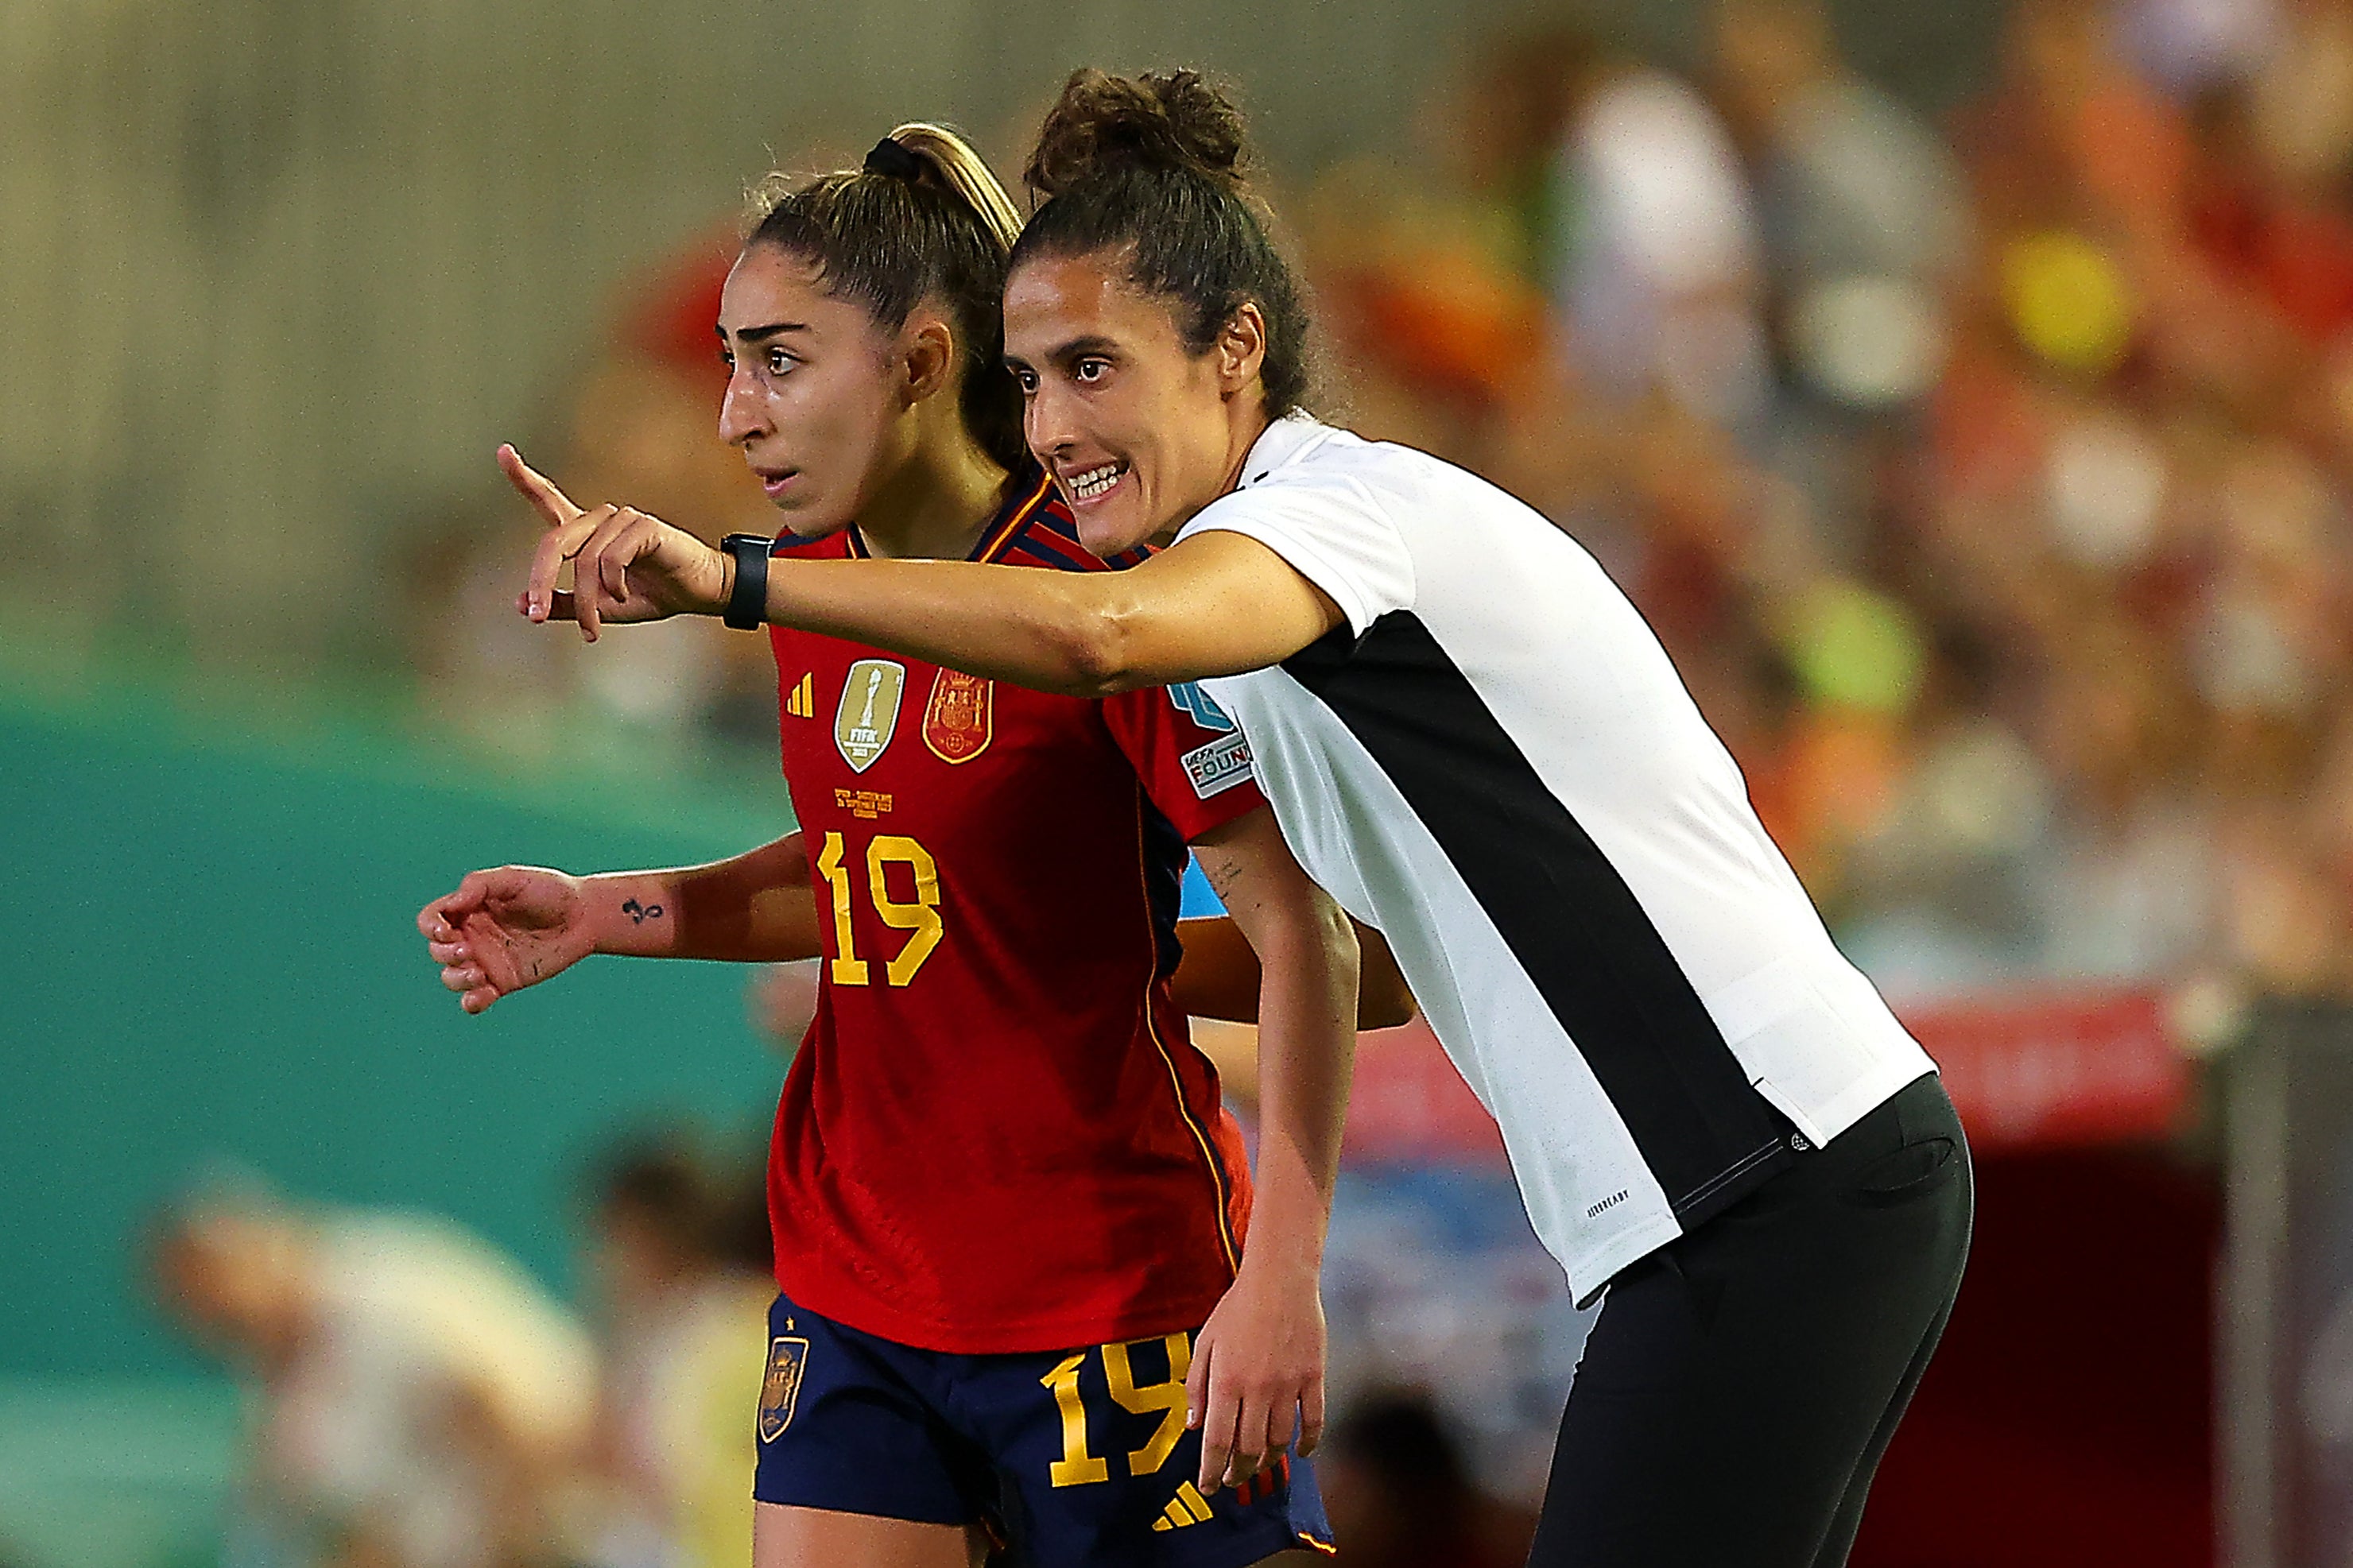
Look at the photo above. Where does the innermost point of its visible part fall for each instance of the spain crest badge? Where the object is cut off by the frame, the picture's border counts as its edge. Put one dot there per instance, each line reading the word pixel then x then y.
pixel 780 1389
pixel 960 718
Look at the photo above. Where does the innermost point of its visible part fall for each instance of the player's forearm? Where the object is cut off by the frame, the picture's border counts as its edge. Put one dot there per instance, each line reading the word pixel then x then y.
pixel 754 908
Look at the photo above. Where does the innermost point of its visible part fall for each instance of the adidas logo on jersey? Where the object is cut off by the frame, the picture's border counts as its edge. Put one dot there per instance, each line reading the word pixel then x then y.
pixel 801 701
pixel 1189 1507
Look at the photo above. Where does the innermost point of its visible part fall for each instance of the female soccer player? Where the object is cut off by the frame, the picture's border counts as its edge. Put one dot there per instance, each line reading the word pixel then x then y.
pixel 1005 1194
pixel 1475 743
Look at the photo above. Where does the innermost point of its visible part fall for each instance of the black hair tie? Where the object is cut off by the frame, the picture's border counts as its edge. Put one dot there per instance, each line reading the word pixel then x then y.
pixel 893 160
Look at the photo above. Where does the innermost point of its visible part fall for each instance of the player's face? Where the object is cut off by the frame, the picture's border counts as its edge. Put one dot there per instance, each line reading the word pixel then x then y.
pixel 810 398
pixel 1133 427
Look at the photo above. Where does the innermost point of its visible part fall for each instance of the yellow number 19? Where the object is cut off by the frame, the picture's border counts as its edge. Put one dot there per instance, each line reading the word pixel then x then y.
pixel 1078 1466
pixel 921 917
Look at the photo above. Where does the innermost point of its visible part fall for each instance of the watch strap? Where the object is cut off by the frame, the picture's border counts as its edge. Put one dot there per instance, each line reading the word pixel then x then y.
pixel 747 601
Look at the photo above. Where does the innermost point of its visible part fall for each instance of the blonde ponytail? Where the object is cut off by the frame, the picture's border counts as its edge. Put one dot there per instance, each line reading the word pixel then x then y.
pixel 964 172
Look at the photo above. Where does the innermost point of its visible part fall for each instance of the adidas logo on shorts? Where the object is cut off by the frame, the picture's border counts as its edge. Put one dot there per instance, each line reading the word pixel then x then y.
pixel 1189 1507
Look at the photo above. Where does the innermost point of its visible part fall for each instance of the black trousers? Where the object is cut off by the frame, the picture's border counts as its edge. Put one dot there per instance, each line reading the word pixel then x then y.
pixel 1742 1382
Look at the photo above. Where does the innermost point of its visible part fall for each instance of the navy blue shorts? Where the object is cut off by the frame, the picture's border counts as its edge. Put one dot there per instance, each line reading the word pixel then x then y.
pixel 1069 1459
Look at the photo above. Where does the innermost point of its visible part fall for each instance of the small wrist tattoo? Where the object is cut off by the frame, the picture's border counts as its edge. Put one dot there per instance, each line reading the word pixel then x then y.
pixel 641 913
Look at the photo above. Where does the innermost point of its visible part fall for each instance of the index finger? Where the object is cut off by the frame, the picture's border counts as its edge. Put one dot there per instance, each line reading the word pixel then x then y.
pixel 448 911
pixel 558 544
pixel 474 890
pixel 536 487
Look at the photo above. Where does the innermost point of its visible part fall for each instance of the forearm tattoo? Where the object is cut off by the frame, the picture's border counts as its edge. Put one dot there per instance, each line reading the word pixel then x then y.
pixel 641 913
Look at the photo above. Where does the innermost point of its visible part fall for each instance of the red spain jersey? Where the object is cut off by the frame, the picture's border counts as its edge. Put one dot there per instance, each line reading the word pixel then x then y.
pixel 997 1136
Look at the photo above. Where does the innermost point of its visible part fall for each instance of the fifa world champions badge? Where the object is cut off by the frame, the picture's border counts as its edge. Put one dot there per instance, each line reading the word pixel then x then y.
pixel 780 1389
pixel 960 718
pixel 869 714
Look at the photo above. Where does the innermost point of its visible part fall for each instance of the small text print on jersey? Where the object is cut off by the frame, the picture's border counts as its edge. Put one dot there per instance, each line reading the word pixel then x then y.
pixel 1219 765
pixel 780 1390
pixel 865 804
pixel 1203 707
pixel 869 714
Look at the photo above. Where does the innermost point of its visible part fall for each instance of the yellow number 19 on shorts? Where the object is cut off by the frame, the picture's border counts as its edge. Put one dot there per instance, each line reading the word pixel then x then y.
pixel 1079 1466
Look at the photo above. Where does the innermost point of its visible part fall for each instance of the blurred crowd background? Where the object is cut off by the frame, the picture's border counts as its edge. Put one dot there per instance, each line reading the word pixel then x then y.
pixel 1964 392
pixel 1984 471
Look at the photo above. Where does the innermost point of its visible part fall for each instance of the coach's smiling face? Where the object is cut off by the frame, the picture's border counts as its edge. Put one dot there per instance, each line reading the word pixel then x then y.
pixel 814 397
pixel 1139 428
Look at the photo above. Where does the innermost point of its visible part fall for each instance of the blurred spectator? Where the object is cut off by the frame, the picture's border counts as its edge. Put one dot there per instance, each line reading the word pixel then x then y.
pixel 1657 260
pixel 422 1401
pixel 639 427
pixel 1863 212
pixel 679 1259
pixel 1989 483
pixel 1399 1496
pixel 1990 480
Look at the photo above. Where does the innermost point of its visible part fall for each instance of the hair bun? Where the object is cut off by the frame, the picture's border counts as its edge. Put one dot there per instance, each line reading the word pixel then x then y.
pixel 1102 123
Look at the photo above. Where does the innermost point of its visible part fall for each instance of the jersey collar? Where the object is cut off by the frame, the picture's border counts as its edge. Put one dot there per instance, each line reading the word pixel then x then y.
pixel 1285 441
pixel 1031 491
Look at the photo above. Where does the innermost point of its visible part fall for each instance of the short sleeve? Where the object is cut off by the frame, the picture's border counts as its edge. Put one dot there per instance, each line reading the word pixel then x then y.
pixel 1192 758
pixel 1328 528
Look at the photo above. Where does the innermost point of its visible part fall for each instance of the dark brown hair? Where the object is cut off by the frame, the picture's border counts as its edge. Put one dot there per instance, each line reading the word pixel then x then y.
pixel 891 243
pixel 1157 166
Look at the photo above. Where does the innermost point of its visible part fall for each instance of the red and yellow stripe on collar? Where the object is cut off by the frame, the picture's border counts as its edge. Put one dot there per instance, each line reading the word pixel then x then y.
pixel 1000 533
pixel 1005 532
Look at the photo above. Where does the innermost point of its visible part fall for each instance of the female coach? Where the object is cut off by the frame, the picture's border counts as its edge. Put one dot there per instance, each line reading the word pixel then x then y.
pixel 1473 741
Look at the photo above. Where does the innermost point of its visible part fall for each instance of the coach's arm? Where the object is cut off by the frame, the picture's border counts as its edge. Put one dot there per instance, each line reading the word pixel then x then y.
pixel 1257 1379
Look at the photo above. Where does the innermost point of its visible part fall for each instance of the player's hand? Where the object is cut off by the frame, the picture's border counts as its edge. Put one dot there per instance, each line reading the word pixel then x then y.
pixel 1256 1387
pixel 504 929
pixel 626 565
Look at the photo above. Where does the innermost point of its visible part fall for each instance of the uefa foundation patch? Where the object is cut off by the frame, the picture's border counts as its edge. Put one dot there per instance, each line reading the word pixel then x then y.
pixel 1218 766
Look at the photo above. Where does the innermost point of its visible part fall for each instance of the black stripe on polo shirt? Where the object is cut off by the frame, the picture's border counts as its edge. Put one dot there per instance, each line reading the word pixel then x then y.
pixel 1561 907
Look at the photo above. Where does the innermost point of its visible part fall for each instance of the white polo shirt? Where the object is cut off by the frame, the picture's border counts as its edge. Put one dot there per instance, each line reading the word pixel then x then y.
pixel 1495 764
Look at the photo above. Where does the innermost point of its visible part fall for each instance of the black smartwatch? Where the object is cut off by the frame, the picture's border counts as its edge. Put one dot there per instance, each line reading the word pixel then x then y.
pixel 747 602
